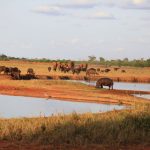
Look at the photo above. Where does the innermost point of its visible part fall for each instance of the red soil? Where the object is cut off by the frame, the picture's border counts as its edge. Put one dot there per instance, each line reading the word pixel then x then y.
pixel 58 92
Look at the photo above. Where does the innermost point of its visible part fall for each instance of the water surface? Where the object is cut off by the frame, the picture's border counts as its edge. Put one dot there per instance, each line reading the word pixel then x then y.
pixel 122 85
pixel 16 106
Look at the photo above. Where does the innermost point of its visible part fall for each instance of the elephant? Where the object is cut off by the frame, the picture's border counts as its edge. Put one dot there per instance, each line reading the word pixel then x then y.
pixel 104 82
pixel 91 71
pixel 30 71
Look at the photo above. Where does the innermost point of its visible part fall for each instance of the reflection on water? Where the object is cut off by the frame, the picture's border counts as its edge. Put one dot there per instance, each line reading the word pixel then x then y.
pixel 147 96
pixel 123 85
pixel 14 106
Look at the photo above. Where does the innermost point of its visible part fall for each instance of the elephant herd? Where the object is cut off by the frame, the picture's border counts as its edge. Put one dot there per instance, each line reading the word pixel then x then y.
pixel 78 68
pixel 68 67
pixel 15 72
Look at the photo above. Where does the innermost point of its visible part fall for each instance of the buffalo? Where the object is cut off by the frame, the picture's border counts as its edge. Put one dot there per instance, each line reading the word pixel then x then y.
pixel 7 70
pixel 49 69
pixel 104 82
pixel 123 71
pixel 76 69
pixel 107 70
pixel 16 75
pixel 91 71
pixel 98 69
pixel 55 66
pixel 115 69
pixel 84 68
pixel 2 69
pixel 30 71
pixel 72 64
pixel 11 70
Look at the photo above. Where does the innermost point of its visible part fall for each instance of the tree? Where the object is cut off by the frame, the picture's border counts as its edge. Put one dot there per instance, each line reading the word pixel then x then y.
pixel 125 59
pixel 3 57
pixel 101 59
pixel 92 58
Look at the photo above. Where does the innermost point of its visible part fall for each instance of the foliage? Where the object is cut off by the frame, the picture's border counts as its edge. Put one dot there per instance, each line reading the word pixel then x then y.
pixel 92 60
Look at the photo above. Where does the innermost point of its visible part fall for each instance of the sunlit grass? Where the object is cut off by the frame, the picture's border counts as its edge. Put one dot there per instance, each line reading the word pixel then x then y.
pixel 40 68
pixel 111 128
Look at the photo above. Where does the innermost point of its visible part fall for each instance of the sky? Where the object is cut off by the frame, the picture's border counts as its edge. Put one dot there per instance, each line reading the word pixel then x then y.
pixel 75 29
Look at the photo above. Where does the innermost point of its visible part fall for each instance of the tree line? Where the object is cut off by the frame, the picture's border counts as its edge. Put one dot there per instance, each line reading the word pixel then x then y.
pixel 121 62
pixel 91 60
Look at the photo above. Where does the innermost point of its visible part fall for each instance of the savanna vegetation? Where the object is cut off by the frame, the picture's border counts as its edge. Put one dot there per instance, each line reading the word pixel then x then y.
pixel 131 74
pixel 104 130
pixel 91 60
pixel 112 129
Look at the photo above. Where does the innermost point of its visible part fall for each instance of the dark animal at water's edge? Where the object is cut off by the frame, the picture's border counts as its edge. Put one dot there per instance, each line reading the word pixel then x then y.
pixel 30 71
pixel 104 82
pixel 49 69
pixel 91 71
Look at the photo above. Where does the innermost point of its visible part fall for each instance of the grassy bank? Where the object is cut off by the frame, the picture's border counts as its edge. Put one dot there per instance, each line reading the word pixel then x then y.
pixel 116 128
pixel 132 74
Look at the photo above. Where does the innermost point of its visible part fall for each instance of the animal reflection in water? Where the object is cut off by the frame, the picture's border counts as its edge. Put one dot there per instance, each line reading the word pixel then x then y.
pixel 104 82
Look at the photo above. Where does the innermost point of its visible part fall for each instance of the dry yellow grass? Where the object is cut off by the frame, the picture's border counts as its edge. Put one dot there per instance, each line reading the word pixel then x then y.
pixel 41 69
pixel 113 129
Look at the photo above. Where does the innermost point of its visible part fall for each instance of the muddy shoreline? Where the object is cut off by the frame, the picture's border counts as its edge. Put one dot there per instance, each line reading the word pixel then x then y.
pixel 54 88
pixel 123 97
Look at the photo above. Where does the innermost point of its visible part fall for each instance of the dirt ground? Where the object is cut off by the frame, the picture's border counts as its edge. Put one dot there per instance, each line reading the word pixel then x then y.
pixel 64 90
